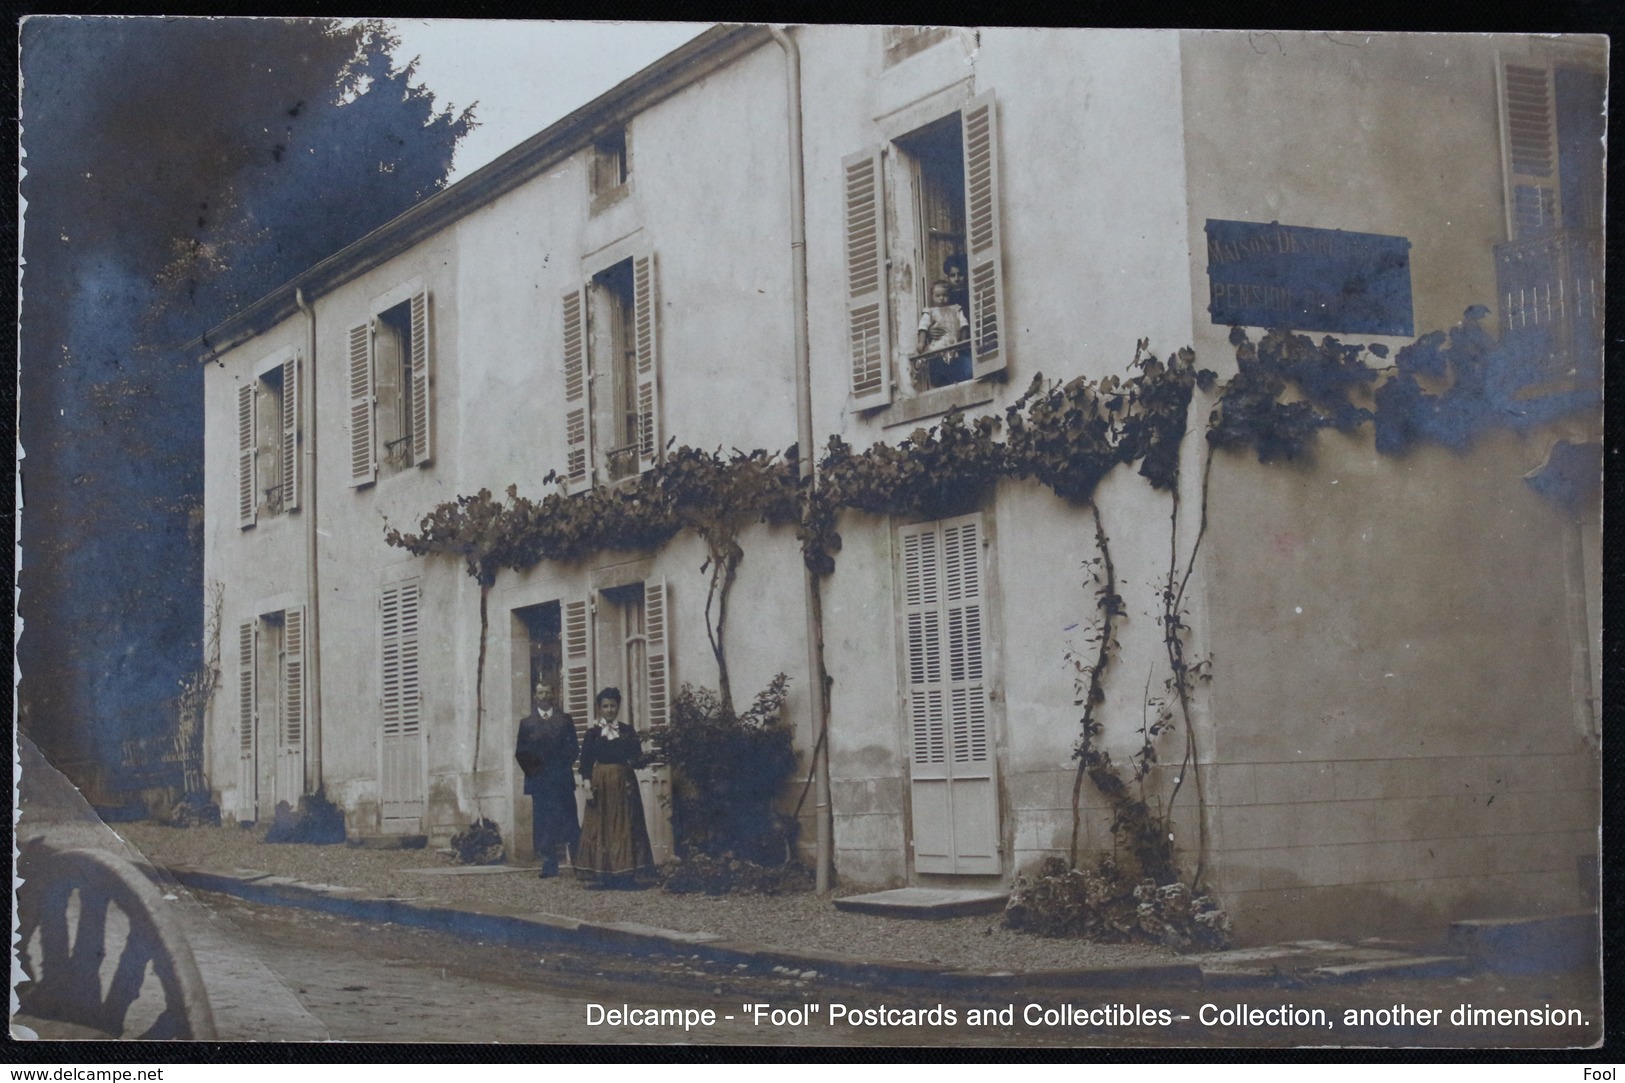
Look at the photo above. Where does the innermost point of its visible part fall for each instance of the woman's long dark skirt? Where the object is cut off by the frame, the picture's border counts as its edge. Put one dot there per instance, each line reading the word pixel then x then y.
pixel 614 838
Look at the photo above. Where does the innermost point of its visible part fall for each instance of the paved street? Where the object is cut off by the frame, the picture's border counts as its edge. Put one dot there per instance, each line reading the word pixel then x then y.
pixel 389 983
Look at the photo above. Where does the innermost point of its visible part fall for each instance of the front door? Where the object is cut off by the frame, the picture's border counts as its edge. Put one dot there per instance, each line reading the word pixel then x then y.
pixel 953 786
pixel 401 781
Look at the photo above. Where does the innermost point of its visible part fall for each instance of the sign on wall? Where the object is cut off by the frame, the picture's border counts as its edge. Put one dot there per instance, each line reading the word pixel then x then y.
pixel 1305 279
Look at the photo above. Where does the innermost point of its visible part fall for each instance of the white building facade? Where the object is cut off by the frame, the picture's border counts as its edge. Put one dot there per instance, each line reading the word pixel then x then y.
pixel 1400 723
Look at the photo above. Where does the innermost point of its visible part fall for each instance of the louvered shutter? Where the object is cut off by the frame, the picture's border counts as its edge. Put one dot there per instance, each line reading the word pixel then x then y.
pixel 577 393
pixel 247 776
pixel 401 781
pixel 645 319
pixel 363 453
pixel 578 638
pixel 293 674
pixel 247 498
pixel 952 786
pixel 989 351
pixel 290 782
pixel 656 655
pixel 422 367
pixel 290 432
pixel 1529 118
pixel 868 317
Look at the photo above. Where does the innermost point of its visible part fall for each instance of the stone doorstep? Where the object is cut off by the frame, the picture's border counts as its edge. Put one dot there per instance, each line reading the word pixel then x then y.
pixel 924 902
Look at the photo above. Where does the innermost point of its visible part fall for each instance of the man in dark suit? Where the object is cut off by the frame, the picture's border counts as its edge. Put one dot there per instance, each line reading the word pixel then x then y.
pixel 546 751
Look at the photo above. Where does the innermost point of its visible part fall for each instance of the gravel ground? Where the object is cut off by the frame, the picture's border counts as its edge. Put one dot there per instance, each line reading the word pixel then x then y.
pixel 803 921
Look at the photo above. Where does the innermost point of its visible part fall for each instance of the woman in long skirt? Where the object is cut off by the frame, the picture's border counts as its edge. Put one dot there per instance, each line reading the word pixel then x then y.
pixel 614 846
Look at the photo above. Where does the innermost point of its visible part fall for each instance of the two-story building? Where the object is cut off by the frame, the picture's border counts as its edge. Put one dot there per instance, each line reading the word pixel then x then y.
pixel 1400 720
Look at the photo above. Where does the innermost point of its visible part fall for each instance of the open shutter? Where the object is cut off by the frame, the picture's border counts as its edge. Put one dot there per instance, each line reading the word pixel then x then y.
pixel 577 614
pixel 290 433
pixel 401 782
pixel 1529 119
pixel 247 776
pixel 868 319
pixel 293 674
pixel 927 700
pixel 290 764
pixel 656 655
pixel 989 351
pixel 247 499
pixel 645 313
pixel 363 457
pixel 577 395
pixel 422 362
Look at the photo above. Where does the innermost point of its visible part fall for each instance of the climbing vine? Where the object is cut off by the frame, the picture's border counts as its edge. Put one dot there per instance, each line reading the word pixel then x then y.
pixel 1444 389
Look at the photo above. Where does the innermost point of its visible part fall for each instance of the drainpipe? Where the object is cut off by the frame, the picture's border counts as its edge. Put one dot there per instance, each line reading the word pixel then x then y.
pixel 313 621
pixel 804 442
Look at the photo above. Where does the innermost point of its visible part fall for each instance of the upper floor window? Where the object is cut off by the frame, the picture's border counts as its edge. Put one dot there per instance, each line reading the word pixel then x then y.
pixel 268 443
pixel 611 373
pixel 902 42
pixel 611 167
pixel 390 388
pixel 933 194
pixel 1554 124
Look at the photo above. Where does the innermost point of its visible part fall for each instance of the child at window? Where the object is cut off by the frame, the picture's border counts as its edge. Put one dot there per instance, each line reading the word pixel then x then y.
pixel 953 269
pixel 942 325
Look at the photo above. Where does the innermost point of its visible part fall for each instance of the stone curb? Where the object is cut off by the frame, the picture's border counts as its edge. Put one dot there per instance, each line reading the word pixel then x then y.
pixel 536 927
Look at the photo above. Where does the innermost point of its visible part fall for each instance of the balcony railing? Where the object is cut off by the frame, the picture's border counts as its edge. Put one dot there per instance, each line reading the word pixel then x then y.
pixel 941 367
pixel 1551 293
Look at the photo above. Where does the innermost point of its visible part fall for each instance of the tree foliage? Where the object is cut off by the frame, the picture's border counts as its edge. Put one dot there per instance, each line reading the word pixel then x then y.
pixel 175 169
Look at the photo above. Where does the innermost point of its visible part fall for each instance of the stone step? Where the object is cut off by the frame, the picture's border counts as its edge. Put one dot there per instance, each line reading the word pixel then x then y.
pixel 924 902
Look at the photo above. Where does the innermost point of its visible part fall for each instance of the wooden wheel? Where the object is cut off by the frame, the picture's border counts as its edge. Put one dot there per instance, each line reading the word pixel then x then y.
pixel 66 972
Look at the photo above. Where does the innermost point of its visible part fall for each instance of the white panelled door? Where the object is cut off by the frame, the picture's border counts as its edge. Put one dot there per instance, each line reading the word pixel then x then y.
pixel 953 786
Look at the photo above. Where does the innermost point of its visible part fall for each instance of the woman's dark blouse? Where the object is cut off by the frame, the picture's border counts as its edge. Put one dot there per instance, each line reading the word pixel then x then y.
pixel 625 747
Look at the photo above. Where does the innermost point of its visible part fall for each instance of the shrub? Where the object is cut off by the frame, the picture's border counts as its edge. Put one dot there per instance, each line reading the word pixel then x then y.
pixel 317 822
pixel 721 875
pixel 1104 903
pixel 479 844
pixel 727 773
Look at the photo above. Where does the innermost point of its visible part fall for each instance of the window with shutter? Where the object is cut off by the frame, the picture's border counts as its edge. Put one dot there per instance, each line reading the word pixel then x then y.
pixel 612 373
pixel 952 784
pixel 401 773
pixel 1549 273
pixel 944 201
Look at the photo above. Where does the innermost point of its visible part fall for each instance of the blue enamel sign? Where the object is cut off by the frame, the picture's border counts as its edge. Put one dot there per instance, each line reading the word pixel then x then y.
pixel 1303 279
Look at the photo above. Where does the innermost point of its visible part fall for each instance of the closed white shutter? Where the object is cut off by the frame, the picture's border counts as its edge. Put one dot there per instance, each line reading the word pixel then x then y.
pixel 989 350
pixel 422 366
pixel 577 393
pixel 291 749
pixel 402 767
pixel 363 453
pixel 655 597
pixel 578 641
pixel 868 318
pixel 952 786
pixel 1529 130
pixel 290 433
pixel 247 776
pixel 247 498
pixel 645 320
